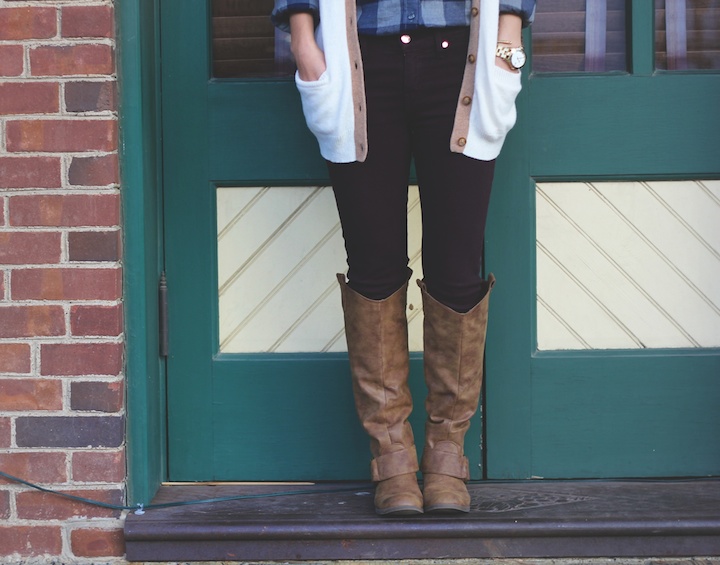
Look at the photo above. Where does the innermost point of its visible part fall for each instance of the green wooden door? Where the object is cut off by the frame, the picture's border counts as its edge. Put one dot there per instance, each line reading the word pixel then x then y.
pixel 606 411
pixel 235 414
pixel 552 409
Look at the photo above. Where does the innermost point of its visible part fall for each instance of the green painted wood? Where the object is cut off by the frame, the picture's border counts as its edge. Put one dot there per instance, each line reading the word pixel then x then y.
pixel 642 37
pixel 244 417
pixel 599 414
pixel 189 219
pixel 508 390
pixel 647 414
pixel 137 38
pixel 319 432
pixel 625 126
pixel 265 138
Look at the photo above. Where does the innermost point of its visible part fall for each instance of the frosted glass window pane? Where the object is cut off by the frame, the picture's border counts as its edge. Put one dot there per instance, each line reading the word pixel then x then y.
pixel 278 251
pixel 628 265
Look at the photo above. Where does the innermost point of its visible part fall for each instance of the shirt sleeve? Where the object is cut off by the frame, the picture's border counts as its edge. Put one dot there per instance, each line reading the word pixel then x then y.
pixel 523 8
pixel 284 8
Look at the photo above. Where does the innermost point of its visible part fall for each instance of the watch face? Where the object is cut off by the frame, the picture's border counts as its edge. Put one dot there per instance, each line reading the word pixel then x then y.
pixel 517 59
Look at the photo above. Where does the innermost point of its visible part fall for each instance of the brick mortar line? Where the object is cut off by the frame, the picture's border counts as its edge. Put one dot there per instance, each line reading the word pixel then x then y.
pixel 58 21
pixel 53 117
pixel 32 191
pixel 59 229
pixel 74 485
pixel 61 80
pixel 61 264
pixel 93 302
pixel 88 153
pixel 60 414
pixel 65 385
pixel 64 116
pixel 88 376
pixel 59 3
pixel 13 507
pixel 75 523
pixel 67 450
pixel 60 41
pixel 92 486
pixel 55 2
pixel 65 162
pixel 6 284
pixel 13 432
pixel 51 340
pixel 29 154
pixel 61 340
pixel 45 338
pixel 15 521
pixel 64 79
pixel 71 378
pixel 80 265
pixel 64 245
pixel 59 154
pixel 62 522
pixel 35 352
pixel 78 189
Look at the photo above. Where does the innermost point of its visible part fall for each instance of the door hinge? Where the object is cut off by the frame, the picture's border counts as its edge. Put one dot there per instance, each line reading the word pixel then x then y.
pixel 163 315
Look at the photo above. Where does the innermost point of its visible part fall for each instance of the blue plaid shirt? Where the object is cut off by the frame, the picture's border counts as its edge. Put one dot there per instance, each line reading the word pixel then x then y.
pixel 384 17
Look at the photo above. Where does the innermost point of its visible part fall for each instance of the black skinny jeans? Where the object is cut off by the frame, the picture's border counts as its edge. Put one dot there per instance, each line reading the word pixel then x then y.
pixel 412 93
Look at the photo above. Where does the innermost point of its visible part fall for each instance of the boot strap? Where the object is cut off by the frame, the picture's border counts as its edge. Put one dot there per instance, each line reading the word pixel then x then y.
pixel 444 463
pixel 394 464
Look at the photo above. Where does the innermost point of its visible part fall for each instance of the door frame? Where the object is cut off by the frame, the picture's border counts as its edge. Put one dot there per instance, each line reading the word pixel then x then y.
pixel 141 180
pixel 138 67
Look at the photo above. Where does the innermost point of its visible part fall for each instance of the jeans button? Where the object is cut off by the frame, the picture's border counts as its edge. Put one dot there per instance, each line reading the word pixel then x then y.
pixel 405 38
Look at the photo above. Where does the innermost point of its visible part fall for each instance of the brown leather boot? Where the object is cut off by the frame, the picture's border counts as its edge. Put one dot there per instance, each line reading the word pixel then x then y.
pixel 376 332
pixel 454 350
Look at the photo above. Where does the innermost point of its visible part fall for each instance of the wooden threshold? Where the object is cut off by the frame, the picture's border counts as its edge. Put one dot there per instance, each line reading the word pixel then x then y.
pixel 668 518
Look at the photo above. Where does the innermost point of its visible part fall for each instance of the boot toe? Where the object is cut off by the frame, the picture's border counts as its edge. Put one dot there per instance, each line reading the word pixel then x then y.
pixel 399 496
pixel 445 494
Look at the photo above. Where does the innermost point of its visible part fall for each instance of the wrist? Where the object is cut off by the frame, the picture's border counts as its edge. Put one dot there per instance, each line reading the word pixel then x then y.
pixel 510 30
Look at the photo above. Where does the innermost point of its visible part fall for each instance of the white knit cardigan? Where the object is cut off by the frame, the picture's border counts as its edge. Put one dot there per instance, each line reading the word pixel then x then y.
pixel 334 105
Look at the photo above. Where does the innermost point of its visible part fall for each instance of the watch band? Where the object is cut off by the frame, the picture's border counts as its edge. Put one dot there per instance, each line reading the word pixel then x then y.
pixel 506 53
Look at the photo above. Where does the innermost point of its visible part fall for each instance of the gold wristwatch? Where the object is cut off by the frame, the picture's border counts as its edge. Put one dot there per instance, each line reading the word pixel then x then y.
pixel 514 56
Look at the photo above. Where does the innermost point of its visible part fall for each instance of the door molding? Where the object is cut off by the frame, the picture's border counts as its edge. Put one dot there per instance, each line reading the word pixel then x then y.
pixel 140 158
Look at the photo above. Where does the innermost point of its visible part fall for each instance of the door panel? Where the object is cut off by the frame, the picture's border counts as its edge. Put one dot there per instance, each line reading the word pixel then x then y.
pixel 247 411
pixel 602 412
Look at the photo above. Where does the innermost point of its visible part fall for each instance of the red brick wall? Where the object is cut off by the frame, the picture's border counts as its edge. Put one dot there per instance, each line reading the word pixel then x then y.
pixel 61 342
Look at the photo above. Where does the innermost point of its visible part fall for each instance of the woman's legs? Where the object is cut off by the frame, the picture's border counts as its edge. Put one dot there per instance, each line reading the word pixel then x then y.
pixel 372 196
pixel 454 189
pixel 372 203
pixel 412 91
pixel 455 194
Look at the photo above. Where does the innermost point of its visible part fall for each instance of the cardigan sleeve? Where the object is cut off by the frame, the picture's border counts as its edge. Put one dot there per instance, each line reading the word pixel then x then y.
pixel 284 8
pixel 523 8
